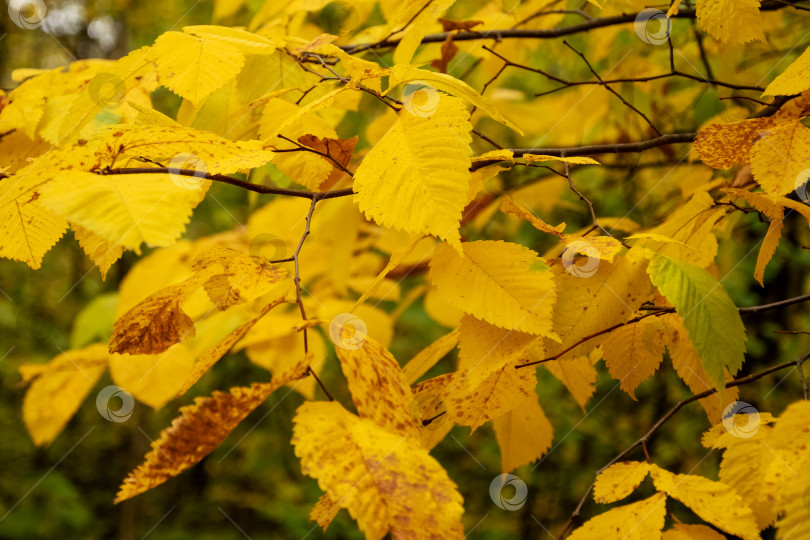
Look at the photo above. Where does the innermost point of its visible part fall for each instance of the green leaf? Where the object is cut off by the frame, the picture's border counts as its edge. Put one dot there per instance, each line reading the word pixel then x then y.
pixel 708 313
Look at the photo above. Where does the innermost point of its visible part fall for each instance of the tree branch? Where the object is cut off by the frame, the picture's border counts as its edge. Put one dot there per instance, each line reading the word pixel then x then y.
pixel 655 311
pixel 499 35
pixel 265 190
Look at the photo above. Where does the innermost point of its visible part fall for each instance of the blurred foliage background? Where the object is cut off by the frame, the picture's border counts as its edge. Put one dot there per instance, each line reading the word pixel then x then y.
pixel 252 485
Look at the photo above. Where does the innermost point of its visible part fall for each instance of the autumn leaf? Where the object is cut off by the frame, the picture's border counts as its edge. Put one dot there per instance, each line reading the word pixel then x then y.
pixel 194 66
pixel 793 80
pixel 100 250
pixel 127 210
pixel 244 276
pixel 198 430
pixel 416 177
pixel 713 501
pixel 735 21
pixel 524 434
pixel 154 379
pixel 603 247
pixel 378 386
pixel 633 352
pixel 619 480
pixel 156 323
pixel 502 283
pixel 58 388
pixel 429 356
pixel 780 155
pixel 723 145
pixel 387 482
pixel 641 520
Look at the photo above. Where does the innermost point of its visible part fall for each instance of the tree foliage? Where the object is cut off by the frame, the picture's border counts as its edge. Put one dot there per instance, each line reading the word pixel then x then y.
pixel 363 133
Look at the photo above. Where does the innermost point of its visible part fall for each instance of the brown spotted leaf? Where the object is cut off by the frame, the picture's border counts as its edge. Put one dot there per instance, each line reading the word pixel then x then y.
pixel 198 430
pixel 324 511
pixel 387 482
pixel 723 145
pixel 378 387
pixel 235 277
pixel 156 323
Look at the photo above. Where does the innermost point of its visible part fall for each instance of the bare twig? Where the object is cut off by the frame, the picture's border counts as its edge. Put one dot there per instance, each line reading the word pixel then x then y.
pixel 611 90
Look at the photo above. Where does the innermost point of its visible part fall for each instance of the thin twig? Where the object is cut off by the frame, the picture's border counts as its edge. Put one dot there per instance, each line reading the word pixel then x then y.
pixel 298 297
pixel 611 90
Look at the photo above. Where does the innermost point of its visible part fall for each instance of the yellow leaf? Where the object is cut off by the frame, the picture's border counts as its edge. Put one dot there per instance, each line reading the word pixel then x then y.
pixel 154 379
pixel 524 434
pixel 794 80
pixel 509 206
pixel 690 230
pixel 779 157
pixel 501 392
pixel 724 145
pixel 185 148
pixel 387 482
pixel 734 21
pixel 244 276
pixel 430 412
pixel 198 430
pixel 767 249
pixel 125 209
pixel 485 348
pixel 795 509
pixel 642 520
pixel 417 28
pixel 398 256
pixel 633 352
pixel 447 83
pixel 378 387
pixel 597 297
pixel 429 356
pixel 28 230
pixel 303 167
pixel 211 357
pixel 100 250
pixel 194 66
pixel 504 284
pixel 788 443
pixel 324 511
pixel 681 531
pixel 58 389
pixel 503 154
pixel 713 501
pixel 578 374
pixel 247 42
pixel 155 324
pixel 416 177
pixel 576 160
pixel 619 480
